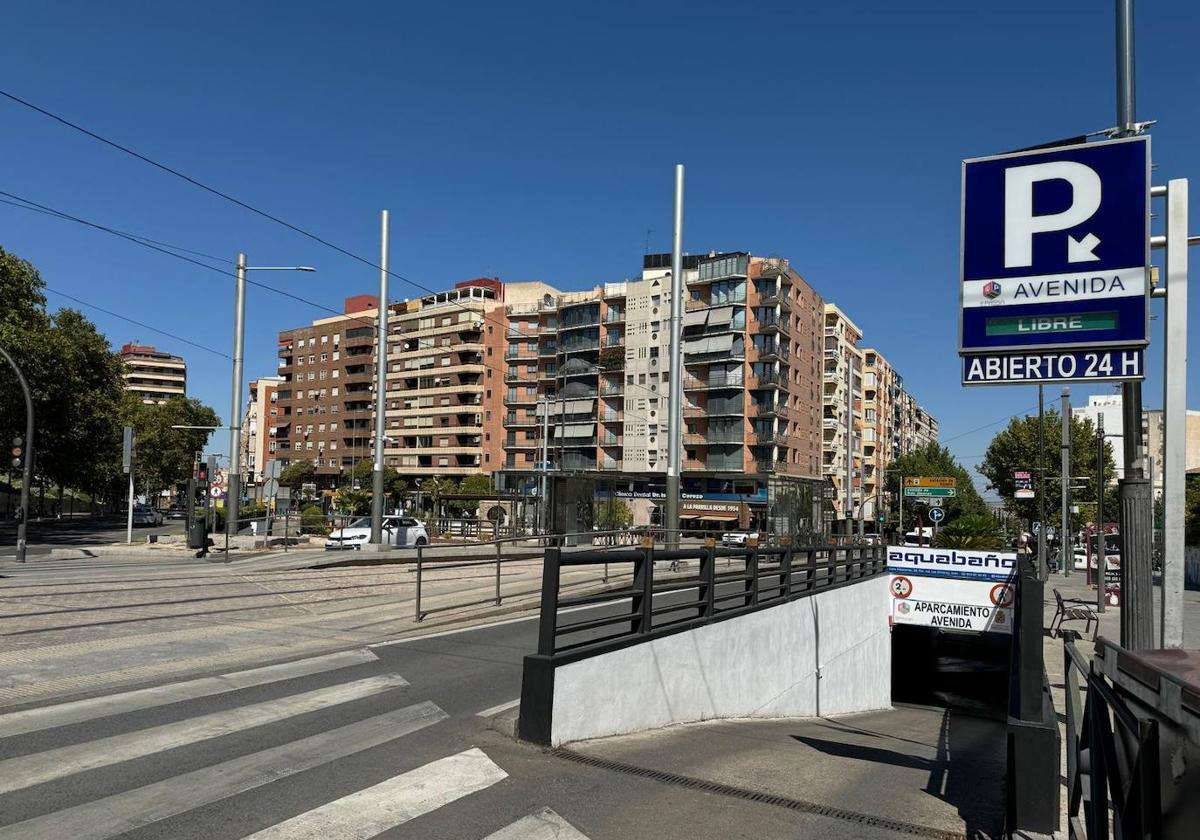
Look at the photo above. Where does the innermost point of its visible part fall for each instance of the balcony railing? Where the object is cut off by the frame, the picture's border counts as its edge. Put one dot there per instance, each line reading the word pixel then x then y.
pixel 610 390
pixel 610 465
pixel 715 380
pixel 611 416
pixel 770 465
pixel 770 409
pixel 579 346
pixel 766 380
pixel 771 438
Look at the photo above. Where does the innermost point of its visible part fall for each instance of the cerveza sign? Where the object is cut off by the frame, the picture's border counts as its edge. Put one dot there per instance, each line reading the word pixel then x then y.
pixel 951 563
pixel 1055 259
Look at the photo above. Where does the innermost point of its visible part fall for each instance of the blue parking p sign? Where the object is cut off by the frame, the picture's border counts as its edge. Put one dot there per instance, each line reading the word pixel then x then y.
pixel 1055 263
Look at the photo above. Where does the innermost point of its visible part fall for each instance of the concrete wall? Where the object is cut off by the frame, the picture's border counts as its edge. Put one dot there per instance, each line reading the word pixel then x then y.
pixel 764 664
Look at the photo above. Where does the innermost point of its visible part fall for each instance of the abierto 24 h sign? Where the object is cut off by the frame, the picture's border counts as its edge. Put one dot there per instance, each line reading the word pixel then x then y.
pixel 1055 264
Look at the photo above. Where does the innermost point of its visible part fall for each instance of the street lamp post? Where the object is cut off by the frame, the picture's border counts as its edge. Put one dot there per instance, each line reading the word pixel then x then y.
pixel 235 433
pixel 27 463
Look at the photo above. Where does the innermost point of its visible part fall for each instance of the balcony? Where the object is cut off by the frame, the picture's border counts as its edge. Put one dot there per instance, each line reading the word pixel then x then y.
pixel 575 462
pixel 610 465
pixel 773 350
pixel 831 422
pixel 719 438
pixel 582 346
pixel 772 323
pixel 771 409
pixel 611 417
pixel 770 465
pixel 766 380
pixel 608 389
pixel 770 438
pixel 715 380
pixel 547 348
pixel 696 411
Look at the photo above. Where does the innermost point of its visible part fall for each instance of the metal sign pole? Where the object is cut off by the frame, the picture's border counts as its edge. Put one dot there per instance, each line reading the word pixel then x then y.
pixel 1064 525
pixel 675 423
pixel 1041 543
pixel 381 366
pixel 1175 412
pixel 1101 553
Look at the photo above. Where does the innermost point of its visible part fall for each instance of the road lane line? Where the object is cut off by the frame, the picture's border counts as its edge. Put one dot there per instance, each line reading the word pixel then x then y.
pixel 120 813
pixel 29 770
pixel 388 804
pixel 540 825
pixel 495 710
pixel 77 711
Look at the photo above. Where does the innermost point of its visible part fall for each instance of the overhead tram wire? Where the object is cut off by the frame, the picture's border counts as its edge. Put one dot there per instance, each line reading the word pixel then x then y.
pixel 1020 413
pixel 244 205
pixel 137 323
pixel 166 248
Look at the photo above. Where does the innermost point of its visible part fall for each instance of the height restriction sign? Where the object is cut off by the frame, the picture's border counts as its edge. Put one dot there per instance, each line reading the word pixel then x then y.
pixel 1055 264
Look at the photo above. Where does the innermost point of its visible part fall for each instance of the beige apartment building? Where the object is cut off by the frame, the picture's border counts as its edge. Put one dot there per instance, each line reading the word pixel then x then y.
pixel 152 375
pixel 258 443
pixel 842 414
pixel 597 364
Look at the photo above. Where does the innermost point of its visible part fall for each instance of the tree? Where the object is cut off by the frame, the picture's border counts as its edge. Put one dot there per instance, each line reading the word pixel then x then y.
pixel 1016 448
pixel 1191 511
pixel 165 454
pixel 613 514
pixel 298 473
pixel 972 531
pixel 477 485
pixel 352 502
pixel 934 459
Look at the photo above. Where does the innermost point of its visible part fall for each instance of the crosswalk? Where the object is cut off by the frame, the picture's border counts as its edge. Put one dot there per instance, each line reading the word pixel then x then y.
pixel 359 756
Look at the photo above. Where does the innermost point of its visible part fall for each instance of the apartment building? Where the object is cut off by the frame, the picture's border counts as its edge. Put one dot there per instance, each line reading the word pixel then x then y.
pixel 882 431
pixel 324 401
pixel 154 376
pixel 842 414
pixel 597 362
pixel 258 444
pixel 445 387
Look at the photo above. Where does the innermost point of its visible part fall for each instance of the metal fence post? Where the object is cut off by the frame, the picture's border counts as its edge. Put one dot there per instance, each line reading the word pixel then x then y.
pixel 548 625
pixel 418 603
pixel 497 573
pixel 785 562
pixel 709 574
pixel 752 583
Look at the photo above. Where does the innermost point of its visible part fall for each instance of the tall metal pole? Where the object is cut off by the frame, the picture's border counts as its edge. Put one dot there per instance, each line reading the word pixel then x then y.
pixel 675 424
pixel 900 524
pixel 849 445
pixel 1066 559
pixel 543 488
pixel 235 423
pixel 1175 379
pixel 1101 552
pixel 1136 516
pixel 27 464
pixel 1041 561
pixel 381 367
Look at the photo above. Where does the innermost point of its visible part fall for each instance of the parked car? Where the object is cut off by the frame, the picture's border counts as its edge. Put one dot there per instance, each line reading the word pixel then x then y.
pixel 177 512
pixel 146 515
pixel 738 539
pixel 397 531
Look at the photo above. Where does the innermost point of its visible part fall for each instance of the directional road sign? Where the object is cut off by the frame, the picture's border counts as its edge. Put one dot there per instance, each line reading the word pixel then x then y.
pixel 1056 264
pixel 929 492
pixel 936 515
pixel 271 487
pixel 930 481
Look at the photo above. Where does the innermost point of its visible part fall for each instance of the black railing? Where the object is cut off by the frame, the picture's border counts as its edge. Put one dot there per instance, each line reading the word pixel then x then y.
pixel 1116 746
pixel 657 604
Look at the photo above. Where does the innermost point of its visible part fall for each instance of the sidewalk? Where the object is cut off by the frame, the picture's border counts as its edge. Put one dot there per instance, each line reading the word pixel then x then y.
pixel 909 770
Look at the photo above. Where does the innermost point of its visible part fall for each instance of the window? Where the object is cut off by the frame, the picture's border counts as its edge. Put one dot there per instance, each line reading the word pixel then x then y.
pixel 324 339
pixel 334 375
pixel 324 357
pixel 334 392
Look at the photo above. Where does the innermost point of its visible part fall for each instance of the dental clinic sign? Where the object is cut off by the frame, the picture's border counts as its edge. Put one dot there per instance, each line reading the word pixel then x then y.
pixel 1056 264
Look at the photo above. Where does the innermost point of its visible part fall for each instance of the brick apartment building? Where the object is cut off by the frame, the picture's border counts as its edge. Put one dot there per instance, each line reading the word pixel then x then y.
pixel 151 374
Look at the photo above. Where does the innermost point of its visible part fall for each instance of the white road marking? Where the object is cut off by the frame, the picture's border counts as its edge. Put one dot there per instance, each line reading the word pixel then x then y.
pixel 29 770
pixel 495 710
pixel 540 825
pixel 47 717
pixel 123 812
pixel 388 804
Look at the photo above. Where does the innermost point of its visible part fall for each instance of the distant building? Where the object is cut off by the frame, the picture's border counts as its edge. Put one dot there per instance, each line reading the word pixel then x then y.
pixel 258 434
pixel 1110 405
pixel 154 376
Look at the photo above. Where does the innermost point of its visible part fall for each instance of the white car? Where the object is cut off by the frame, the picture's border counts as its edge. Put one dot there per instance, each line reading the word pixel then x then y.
pixel 146 515
pixel 737 539
pixel 399 531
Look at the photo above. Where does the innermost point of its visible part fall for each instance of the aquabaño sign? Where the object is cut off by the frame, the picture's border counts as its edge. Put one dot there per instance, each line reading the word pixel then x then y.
pixel 965 591
pixel 1055 264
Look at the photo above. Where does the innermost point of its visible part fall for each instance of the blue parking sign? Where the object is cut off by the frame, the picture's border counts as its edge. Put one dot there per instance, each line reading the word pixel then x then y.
pixel 1055 259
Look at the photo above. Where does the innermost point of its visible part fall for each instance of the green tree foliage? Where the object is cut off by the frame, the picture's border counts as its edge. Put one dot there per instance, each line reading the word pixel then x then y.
pixel 477 485
pixel 312 520
pixel 1016 448
pixel 353 502
pixel 934 460
pixel 613 514
pixel 74 378
pixel 165 455
pixel 976 531
pixel 1191 511
pixel 297 474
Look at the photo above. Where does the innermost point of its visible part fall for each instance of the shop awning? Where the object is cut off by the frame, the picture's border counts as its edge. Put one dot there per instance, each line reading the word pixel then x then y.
pixel 711 517
pixel 695 319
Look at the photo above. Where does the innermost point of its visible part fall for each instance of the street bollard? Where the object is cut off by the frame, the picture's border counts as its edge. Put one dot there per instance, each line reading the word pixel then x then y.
pixel 420 553
pixel 497 573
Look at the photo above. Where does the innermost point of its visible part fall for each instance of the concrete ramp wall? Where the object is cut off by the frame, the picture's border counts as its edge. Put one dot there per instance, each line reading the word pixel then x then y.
pixel 825 654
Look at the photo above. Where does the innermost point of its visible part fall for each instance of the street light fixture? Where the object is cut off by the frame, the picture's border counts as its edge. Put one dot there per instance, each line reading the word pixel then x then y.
pixel 235 426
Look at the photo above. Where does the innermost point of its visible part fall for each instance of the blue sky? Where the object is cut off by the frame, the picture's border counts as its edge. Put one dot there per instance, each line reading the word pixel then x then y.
pixel 537 140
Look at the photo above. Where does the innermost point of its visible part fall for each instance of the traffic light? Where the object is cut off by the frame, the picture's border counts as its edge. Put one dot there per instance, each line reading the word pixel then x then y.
pixel 202 472
pixel 18 452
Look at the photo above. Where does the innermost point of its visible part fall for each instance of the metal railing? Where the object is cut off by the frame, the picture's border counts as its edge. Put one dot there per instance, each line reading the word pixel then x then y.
pixel 1113 756
pixel 652 606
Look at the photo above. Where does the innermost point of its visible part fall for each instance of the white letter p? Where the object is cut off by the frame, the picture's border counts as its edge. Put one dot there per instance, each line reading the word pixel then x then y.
pixel 1019 222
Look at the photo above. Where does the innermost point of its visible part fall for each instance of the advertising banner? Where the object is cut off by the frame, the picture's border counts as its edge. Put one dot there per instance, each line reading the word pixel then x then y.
pixel 965 591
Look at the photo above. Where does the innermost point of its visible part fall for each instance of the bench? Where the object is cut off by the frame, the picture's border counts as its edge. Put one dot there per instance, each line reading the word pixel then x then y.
pixel 1072 609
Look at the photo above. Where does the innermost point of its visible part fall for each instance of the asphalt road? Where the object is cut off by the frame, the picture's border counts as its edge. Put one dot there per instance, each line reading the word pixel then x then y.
pixel 384 743
pixel 46 534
